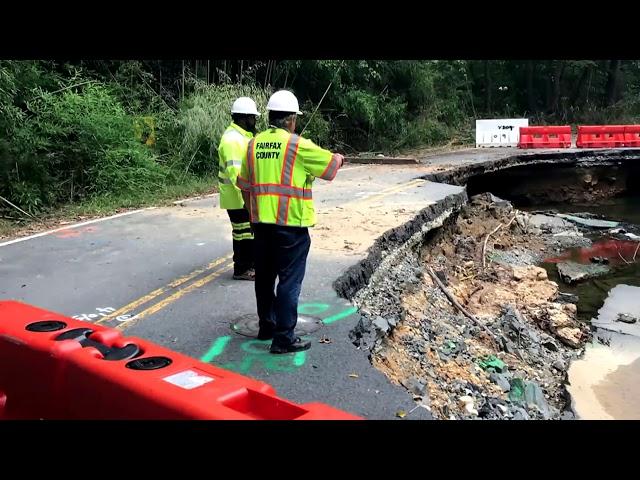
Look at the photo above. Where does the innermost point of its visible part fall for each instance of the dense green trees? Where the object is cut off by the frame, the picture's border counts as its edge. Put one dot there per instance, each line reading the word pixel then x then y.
pixel 70 131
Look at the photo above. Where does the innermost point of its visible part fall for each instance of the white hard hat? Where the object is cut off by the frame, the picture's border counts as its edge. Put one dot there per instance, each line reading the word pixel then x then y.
pixel 284 101
pixel 245 105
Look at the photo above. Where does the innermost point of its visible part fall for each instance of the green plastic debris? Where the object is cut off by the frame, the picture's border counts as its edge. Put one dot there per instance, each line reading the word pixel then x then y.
pixel 492 362
pixel 516 394
pixel 448 347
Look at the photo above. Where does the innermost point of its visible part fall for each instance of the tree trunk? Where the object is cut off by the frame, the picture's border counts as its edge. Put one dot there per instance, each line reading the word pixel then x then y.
pixel 579 90
pixel 589 86
pixel 612 82
pixel 182 90
pixel 622 82
pixel 555 96
pixel 531 99
pixel 266 74
pixel 488 87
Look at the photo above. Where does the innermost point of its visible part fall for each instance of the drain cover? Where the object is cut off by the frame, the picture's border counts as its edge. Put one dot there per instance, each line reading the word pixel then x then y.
pixel 247 325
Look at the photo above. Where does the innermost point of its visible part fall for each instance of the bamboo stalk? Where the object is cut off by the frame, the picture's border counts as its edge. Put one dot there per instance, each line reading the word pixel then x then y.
pixel 17 207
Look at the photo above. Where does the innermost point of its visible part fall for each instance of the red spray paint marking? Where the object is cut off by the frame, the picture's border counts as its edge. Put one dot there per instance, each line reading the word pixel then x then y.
pixel 74 232
pixel 602 248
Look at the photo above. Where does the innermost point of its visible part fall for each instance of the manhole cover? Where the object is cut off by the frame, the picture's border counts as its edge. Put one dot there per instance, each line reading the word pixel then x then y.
pixel 247 325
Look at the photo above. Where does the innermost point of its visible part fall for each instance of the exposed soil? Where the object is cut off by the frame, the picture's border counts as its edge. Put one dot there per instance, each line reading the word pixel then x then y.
pixel 512 362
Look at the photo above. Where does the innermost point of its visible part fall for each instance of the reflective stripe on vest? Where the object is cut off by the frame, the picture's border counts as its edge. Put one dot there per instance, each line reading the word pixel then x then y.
pixel 289 160
pixel 287 178
pixel 281 190
pixel 274 170
pixel 331 170
pixel 252 179
pixel 285 189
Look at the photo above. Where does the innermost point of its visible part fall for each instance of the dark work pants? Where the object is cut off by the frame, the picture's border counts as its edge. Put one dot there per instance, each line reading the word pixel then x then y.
pixel 242 241
pixel 281 252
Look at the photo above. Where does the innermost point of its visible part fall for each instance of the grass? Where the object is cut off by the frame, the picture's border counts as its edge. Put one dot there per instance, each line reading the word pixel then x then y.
pixel 110 204
pixel 106 205
pixel 6 227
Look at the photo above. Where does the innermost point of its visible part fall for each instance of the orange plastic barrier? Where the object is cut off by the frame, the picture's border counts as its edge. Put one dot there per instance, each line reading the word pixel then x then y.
pixel 545 137
pixel 54 367
pixel 632 135
pixel 601 136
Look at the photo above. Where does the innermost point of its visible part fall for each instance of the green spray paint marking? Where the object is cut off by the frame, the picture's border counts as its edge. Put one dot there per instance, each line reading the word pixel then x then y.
pixel 273 363
pixel 299 359
pixel 216 349
pixel 339 316
pixel 256 347
pixel 312 308
pixel 257 351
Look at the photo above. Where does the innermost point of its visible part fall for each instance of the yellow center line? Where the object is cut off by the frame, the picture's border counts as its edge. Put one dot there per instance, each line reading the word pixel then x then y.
pixel 172 298
pixel 389 191
pixel 156 293
pixel 203 281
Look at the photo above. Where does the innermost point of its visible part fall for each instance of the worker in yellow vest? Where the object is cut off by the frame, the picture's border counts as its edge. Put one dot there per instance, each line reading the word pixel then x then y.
pixel 232 150
pixel 276 180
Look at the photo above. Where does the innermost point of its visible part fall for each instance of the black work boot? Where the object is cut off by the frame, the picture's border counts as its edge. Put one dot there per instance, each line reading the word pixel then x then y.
pixel 265 335
pixel 298 345
pixel 247 275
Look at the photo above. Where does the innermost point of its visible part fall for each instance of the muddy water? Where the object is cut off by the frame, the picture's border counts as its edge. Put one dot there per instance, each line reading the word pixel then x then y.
pixel 592 293
pixel 624 209
pixel 605 383
pixel 620 209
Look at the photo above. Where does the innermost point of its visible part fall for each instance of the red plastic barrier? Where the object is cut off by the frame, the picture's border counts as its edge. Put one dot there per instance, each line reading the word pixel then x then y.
pixel 29 369
pixel 632 135
pixel 545 137
pixel 600 136
pixel 95 373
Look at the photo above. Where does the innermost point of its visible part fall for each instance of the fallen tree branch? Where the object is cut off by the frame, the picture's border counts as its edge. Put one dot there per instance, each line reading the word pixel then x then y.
pixel 623 259
pixel 484 247
pixel 457 304
pixel 475 290
pixel 469 277
pixel 17 207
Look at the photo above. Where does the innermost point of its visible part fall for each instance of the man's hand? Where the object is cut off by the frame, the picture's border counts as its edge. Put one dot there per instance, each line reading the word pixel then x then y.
pixel 340 157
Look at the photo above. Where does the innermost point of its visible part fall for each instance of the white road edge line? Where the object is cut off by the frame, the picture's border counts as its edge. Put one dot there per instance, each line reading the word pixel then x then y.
pixel 96 220
pixel 76 225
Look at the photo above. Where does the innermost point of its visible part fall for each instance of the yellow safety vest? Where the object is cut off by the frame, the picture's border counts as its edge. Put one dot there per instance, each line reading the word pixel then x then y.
pixel 231 152
pixel 278 171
